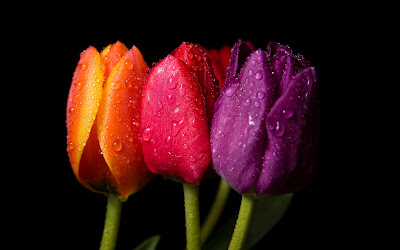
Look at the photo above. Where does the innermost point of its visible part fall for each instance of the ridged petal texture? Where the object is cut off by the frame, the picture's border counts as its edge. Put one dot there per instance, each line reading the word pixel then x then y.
pixel 265 127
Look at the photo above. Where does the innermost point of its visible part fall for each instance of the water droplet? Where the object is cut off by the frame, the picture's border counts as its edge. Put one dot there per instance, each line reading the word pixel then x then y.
pixel 197 57
pixel 175 129
pixel 251 72
pixel 287 113
pixel 259 75
pixel 172 83
pixel 79 85
pixel 84 66
pixel 229 92
pixel 128 65
pixel 168 142
pixel 117 145
pixel 189 47
pixel 260 95
pixel 246 103
pixel 199 111
pixel 115 85
pixel 280 129
pixel 257 104
pixel 71 110
pixel 190 56
pixel 185 146
pixel 71 146
pixel 182 90
pixel 147 134
pixel 188 98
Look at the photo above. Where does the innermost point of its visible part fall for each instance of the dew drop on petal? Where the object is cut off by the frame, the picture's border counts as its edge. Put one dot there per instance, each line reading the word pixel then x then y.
pixel 229 92
pixel 128 65
pixel 287 113
pixel 115 85
pixel 147 134
pixel 259 75
pixel 260 95
pixel 117 145
pixel 172 83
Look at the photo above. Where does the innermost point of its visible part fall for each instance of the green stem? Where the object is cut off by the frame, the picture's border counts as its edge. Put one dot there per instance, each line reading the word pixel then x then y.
pixel 242 223
pixel 215 211
pixel 111 224
pixel 192 216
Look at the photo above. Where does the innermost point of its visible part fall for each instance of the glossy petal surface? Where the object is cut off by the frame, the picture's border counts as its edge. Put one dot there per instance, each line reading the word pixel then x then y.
pixel 199 63
pixel 238 134
pixel 264 134
pixel 118 123
pixel 83 102
pixel 174 129
pixel 292 127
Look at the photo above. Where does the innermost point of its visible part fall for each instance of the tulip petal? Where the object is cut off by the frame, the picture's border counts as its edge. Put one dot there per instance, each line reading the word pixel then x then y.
pixel 285 64
pixel 198 61
pixel 220 61
pixel 118 123
pixel 83 102
pixel 291 135
pixel 174 126
pixel 111 55
pixel 238 133
pixel 239 54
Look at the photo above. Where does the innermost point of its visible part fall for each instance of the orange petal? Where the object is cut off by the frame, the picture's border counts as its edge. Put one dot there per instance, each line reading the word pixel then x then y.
pixel 111 55
pixel 119 121
pixel 82 106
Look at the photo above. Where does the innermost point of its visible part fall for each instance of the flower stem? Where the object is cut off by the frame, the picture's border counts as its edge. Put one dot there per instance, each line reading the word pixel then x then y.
pixel 215 211
pixel 242 223
pixel 192 216
pixel 111 224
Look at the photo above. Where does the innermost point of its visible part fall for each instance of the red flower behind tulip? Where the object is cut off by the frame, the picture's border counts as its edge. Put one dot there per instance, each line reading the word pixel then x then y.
pixel 103 120
pixel 177 104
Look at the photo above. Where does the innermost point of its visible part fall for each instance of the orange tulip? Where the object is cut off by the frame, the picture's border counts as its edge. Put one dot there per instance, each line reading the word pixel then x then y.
pixel 103 121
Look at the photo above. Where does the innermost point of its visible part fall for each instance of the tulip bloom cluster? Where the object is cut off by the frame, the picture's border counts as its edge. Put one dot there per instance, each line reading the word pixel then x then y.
pixel 257 127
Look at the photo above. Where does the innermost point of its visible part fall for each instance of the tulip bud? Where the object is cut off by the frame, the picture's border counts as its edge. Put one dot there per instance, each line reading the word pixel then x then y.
pixel 103 120
pixel 265 127
pixel 178 96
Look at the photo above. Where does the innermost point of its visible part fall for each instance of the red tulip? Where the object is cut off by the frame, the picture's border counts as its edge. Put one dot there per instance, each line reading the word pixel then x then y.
pixel 220 60
pixel 177 104
pixel 103 120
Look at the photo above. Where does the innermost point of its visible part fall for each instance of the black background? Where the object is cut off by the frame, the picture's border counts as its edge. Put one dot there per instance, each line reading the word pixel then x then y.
pixel 54 211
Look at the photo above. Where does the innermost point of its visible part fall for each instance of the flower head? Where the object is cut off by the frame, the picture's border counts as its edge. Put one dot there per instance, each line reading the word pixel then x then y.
pixel 103 119
pixel 177 105
pixel 265 127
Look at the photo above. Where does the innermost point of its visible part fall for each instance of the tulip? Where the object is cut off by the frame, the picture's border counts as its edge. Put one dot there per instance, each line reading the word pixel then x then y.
pixel 264 129
pixel 103 120
pixel 177 103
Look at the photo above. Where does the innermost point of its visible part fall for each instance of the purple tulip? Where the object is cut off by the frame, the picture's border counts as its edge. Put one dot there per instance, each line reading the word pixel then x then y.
pixel 264 133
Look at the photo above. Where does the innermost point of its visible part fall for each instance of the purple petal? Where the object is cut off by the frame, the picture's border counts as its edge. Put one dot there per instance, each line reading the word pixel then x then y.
pixel 292 127
pixel 238 131
pixel 285 64
pixel 239 54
